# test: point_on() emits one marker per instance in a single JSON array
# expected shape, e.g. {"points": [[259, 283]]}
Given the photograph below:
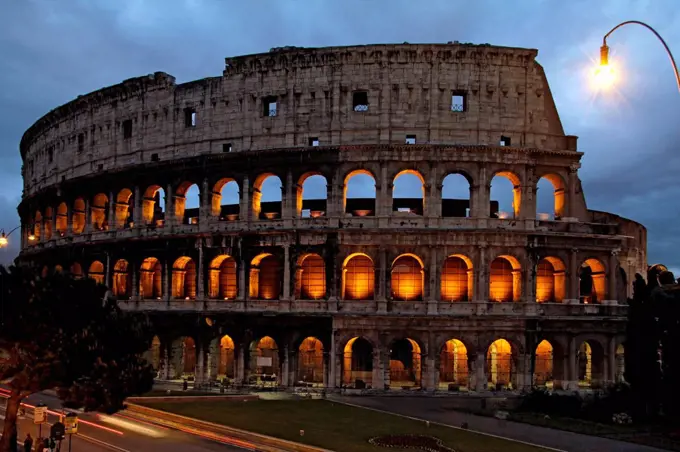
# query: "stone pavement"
{"points": [[436, 410]]}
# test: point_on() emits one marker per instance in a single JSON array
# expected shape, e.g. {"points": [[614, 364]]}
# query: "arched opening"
{"points": [[153, 206], [505, 279], [61, 223], [310, 278], [76, 270], [453, 365], [457, 279], [592, 282], [124, 209], [357, 363], [405, 364], [264, 361], [265, 277], [499, 365], [78, 216], [122, 279], [543, 364], [187, 203], [226, 366], [590, 359], [189, 355], [47, 225], [225, 202], [550, 280], [150, 281], [37, 226], [99, 212], [408, 194], [156, 353], [550, 197], [310, 362], [267, 197], [456, 201], [408, 278], [620, 364], [223, 278], [358, 197], [96, 272], [358, 279], [184, 278], [312, 196], [58, 269], [505, 195]]}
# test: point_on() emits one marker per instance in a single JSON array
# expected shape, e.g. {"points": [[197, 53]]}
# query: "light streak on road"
{"points": [[132, 426]]}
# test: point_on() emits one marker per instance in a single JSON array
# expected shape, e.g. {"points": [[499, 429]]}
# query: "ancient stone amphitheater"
{"points": [[342, 287]]}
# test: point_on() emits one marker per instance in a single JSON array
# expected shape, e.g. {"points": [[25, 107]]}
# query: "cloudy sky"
{"points": [[53, 50]]}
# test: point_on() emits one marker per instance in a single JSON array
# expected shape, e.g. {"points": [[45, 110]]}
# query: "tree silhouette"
{"points": [[64, 333]]}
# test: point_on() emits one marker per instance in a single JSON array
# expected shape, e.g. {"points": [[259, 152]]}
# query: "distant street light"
{"points": [[605, 74], [4, 237]]}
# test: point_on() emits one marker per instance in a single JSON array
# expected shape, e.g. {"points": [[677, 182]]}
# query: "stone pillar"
{"points": [[213, 359], [433, 198], [111, 215], [165, 370], [108, 271], [242, 286], [240, 376], [288, 200], [434, 282], [286, 272], [612, 277], [137, 209], [480, 195], [245, 212], [381, 281], [529, 284], [69, 220], [611, 364], [205, 208], [384, 207], [88, 217], [166, 280], [572, 366], [335, 364], [170, 219], [199, 377], [477, 371], [481, 288], [573, 184], [134, 290], [326, 368], [200, 272], [285, 367], [573, 278], [524, 376]]}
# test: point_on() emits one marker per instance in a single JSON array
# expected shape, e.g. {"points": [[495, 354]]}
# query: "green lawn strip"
{"points": [[178, 393], [331, 425]]}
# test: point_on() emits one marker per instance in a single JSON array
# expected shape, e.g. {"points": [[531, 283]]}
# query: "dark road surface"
{"points": [[121, 432]]}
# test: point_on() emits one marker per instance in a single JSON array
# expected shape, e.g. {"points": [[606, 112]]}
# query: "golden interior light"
{"points": [[31, 237], [604, 73]]}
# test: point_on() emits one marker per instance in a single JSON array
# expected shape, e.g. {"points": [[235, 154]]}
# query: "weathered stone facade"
{"points": [[405, 276]]}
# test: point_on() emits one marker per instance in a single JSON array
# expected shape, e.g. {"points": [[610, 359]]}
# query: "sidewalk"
{"points": [[436, 410]]}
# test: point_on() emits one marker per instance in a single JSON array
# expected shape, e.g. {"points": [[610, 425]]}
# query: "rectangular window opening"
{"points": [[410, 139], [226, 147], [306, 213], [81, 142], [505, 141], [127, 129], [313, 141], [100, 167], [50, 154], [154, 157], [189, 117], [269, 105], [458, 102], [360, 101]]}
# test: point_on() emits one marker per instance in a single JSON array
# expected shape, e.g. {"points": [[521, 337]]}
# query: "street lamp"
{"points": [[605, 74], [4, 237]]}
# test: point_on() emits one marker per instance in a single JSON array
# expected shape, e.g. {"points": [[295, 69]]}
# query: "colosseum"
{"points": [[262, 280]]}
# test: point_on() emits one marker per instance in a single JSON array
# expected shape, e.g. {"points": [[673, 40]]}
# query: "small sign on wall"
{"points": [[264, 361]]}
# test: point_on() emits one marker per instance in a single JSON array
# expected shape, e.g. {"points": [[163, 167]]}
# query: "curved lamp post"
{"points": [[4, 237], [605, 73]]}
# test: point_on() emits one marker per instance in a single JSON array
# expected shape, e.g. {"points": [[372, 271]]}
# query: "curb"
{"points": [[263, 443]]}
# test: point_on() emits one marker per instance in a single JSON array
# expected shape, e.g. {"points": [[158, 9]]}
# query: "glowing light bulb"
{"points": [[605, 76]]}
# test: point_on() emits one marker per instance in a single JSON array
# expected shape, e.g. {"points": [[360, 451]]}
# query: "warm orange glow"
{"points": [[49, 213], [62, 218], [99, 212], [357, 361], [122, 279], [123, 208], [265, 277], [226, 364], [499, 362], [310, 360], [503, 279], [189, 355], [358, 277], [453, 366], [78, 216], [184, 278], [180, 199], [257, 192], [550, 280], [223, 278], [457, 279], [37, 227], [150, 281], [76, 270], [311, 278], [544, 363], [604, 76], [516, 191], [559, 193], [407, 278], [599, 280], [96, 272], [266, 348]]}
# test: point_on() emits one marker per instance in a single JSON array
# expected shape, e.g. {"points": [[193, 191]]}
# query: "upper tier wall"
{"points": [[408, 90]]}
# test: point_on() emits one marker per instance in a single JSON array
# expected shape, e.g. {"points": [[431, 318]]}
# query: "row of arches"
{"points": [[115, 210], [359, 278]]}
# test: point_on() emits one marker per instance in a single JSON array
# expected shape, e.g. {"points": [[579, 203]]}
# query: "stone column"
{"points": [[199, 377], [530, 279], [205, 209], [335, 365], [286, 272], [573, 184], [137, 208], [242, 286], [326, 368], [477, 371], [245, 212], [524, 376], [384, 207], [480, 195], [611, 364], [88, 217], [433, 198], [200, 270], [481, 288], [573, 278], [166, 281], [170, 219], [285, 367], [434, 282], [288, 199], [381, 282], [612, 277], [572, 366], [69, 220], [108, 271], [134, 290], [240, 376], [111, 215]]}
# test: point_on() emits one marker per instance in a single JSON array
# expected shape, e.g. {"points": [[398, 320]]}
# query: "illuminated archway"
{"points": [[358, 277], [310, 277], [457, 279], [37, 225], [505, 279], [124, 208], [405, 363], [264, 360], [223, 278], [78, 216], [406, 184], [153, 206], [96, 272], [593, 281], [49, 217], [187, 203], [408, 278], [620, 364], [184, 278], [550, 280], [590, 359], [357, 368], [499, 364], [155, 353], [359, 193], [225, 200], [550, 197], [62, 219], [453, 364], [99, 212], [150, 280], [227, 361], [76, 270], [122, 279], [312, 195], [456, 200], [267, 197], [508, 203], [310, 361], [543, 364], [265, 277], [189, 355]]}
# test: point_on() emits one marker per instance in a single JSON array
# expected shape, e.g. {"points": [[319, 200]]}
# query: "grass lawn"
{"points": [[179, 393], [331, 425]]}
